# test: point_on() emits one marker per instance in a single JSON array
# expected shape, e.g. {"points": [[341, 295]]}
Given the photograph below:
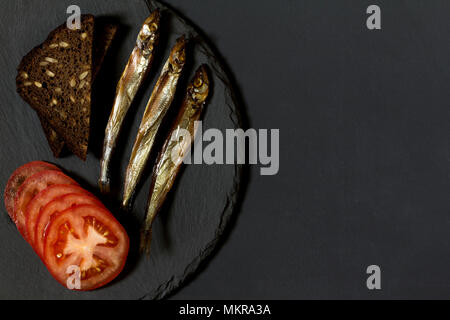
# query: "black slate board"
{"points": [[202, 200]]}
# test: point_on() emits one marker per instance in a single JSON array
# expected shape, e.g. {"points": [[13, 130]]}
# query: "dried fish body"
{"points": [[175, 149], [158, 104], [134, 74]]}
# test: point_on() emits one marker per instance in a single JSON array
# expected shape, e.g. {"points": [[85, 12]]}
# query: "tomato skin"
{"points": [[66, 225], [18, 177], [57, 205], [75, 216], [40, 200], [32, 186]]}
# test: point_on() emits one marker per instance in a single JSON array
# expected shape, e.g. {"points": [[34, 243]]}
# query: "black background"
{"points": [[364, 149], [199, 205]]}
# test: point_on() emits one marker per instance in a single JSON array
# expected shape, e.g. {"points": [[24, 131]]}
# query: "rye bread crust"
{"points": [[55, 79], [104, 34]]}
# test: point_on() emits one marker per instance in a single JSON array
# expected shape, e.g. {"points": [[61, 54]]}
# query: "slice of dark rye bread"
{"points": [[55, 78], [104, 34]]}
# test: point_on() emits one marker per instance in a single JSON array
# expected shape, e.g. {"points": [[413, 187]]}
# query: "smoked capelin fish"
{"points": [[134, 74], [175, 149], [158, 104]]}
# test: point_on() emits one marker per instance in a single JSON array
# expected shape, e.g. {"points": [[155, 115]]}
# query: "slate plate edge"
{"points": [[176, 280]]}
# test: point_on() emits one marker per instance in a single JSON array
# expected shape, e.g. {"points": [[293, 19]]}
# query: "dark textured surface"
{"points": [[364, 148], [364, 122], [197, 209]]}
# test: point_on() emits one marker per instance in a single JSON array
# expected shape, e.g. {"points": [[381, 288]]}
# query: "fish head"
{"points": [[199, 87], [149, 34], [178, 55]]}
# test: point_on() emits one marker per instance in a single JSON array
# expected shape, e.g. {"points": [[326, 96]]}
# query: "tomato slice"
{"points": [[58, 204], [87, 240], [18, 177], [30, 188], [40, 200]]}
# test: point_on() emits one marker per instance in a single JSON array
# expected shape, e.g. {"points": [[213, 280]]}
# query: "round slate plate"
{"points": [[198, 207]]}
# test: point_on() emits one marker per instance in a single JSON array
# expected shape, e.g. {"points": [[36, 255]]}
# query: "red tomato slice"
{"points": [[58, 204], [86, 243], [18, 177], [40, 200], [31, 187]]}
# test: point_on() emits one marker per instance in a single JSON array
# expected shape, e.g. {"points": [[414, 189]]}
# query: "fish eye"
{"points": [[198, 82]]}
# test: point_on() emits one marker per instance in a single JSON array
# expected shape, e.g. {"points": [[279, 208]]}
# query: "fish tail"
{"points": [[127, 192], [146, 239], [146, 234], [126, 202], [104, 179], [104, 186]]}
